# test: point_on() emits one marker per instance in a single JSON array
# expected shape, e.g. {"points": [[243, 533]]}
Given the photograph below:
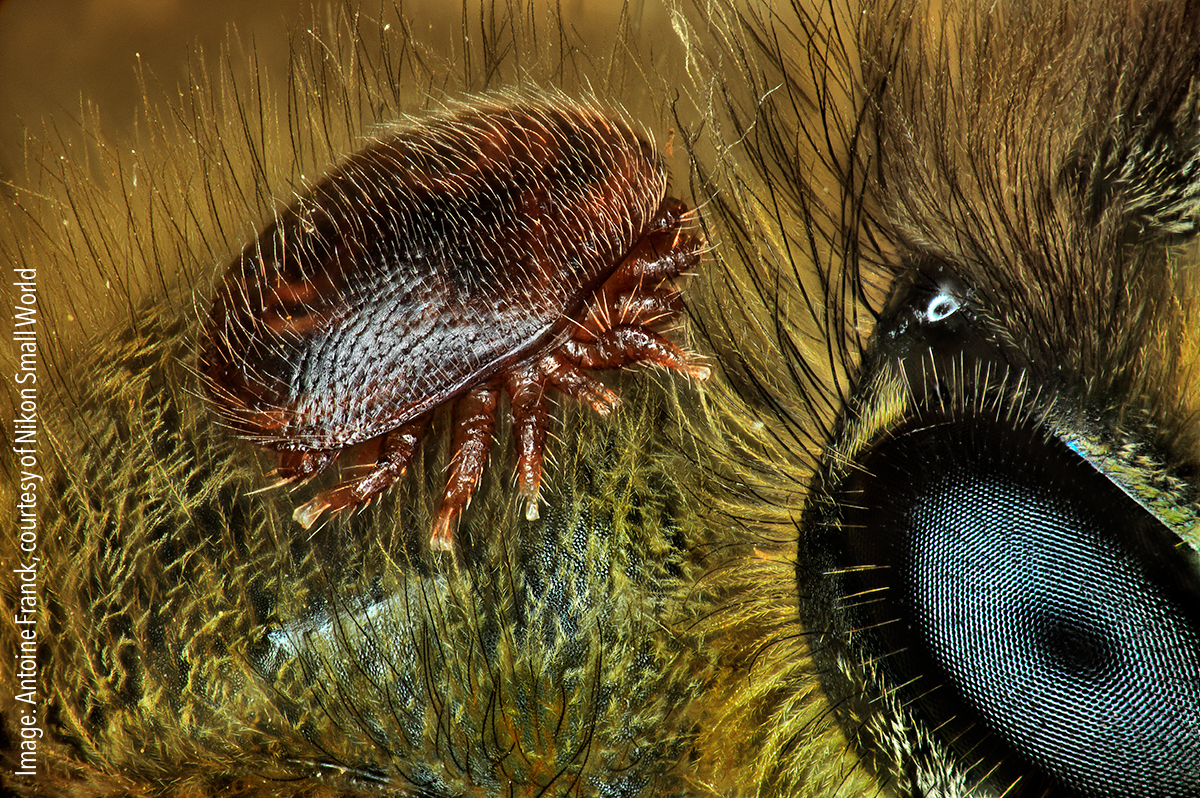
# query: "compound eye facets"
{"points": [[1026, 607], [996, 591]]}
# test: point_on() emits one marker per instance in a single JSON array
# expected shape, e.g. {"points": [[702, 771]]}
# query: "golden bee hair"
{"points": [[970, 220]]}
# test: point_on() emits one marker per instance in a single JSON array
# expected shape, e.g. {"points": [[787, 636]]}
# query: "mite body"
{"points": [[505, 247]]}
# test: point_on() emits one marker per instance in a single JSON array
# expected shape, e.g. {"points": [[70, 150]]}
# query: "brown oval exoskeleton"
{"points": [[505, 247]]}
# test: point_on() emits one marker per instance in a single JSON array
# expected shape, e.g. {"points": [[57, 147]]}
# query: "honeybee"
{"points": [[929, 528]]}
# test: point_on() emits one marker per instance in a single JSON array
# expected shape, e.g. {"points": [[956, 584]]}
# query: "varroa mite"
{"points": [[504, 247]]}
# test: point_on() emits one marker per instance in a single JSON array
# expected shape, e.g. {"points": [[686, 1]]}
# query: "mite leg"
{"points": [[302, 466], [526, 389], [665, 252], [634, 308], [623, 345], [573, 381], [474, 425], [396, 453], [639, 291], [616, 305]]}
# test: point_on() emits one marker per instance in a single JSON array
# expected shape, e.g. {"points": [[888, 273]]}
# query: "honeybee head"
{"points": [[972, 233]]}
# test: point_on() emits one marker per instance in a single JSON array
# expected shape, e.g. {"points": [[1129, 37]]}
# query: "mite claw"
{"points": [[442, 537], [307, 514]]}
